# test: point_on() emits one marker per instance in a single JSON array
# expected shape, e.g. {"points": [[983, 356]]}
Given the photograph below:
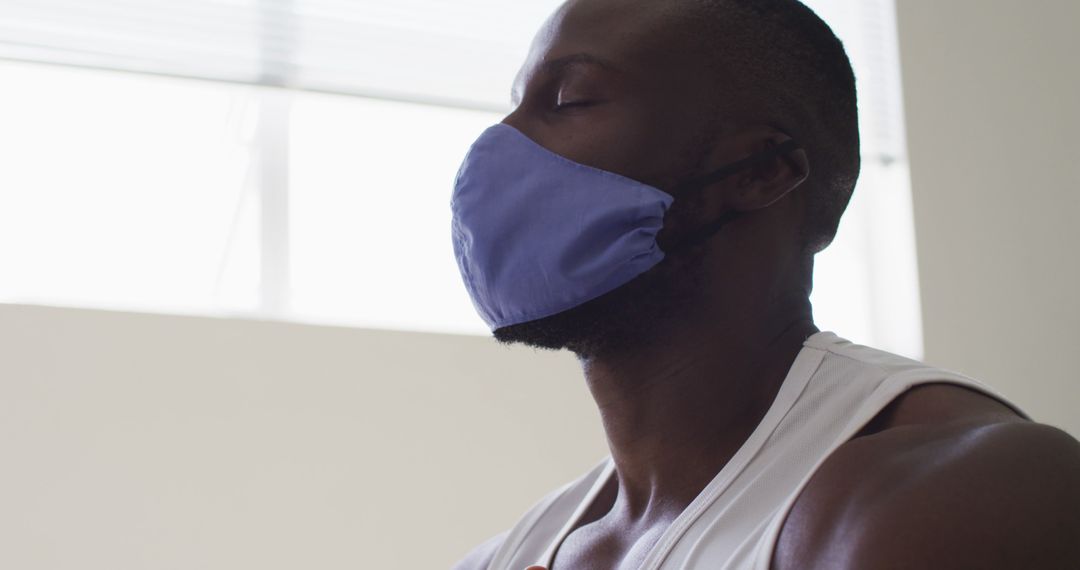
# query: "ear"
{"points": [[762, 183], [758, 185]]}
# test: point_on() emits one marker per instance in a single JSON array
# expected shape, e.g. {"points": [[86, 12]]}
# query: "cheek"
{"points": [[669, 146], [633, 138], [610, 137]]}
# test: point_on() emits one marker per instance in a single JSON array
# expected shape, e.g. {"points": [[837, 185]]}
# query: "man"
{"points": [[653, 204]]}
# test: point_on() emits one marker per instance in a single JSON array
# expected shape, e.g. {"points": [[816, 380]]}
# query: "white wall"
{"points": [[133, 441], [992, 90]]}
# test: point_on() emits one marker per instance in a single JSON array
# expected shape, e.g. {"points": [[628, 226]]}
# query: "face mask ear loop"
{"points": [[739, 165], [704, 233]]}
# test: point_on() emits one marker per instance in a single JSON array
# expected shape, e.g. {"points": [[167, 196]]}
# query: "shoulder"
{"points": [[480, 557], [971, 491]]}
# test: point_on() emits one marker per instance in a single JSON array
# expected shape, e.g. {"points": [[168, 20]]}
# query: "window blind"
{"points": [[458, 53], [463, 53]]}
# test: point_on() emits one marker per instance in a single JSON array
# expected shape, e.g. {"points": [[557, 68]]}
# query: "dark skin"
{"points": [[943, 478]]}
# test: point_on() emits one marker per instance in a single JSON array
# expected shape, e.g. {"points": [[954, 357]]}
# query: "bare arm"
{"points": [[999, 496], [1010, 500]]}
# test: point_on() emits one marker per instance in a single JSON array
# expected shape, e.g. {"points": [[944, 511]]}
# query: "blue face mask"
{"points": [[536, 234]]}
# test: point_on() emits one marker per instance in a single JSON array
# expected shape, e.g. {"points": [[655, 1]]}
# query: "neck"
{"points": [[677, 410]]}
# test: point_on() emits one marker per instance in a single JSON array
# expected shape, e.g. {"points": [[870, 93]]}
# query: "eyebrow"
{"points": [[556, 65]]}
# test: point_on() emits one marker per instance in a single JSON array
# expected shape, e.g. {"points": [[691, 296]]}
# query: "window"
{"points": [[118, 190], [292, 159], [370, 220]]}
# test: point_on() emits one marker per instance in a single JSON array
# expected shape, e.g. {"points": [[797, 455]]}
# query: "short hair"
{"points": [[791, 66]]}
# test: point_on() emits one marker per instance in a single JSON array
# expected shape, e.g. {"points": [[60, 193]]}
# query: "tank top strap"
{"points": [[545, 518]]}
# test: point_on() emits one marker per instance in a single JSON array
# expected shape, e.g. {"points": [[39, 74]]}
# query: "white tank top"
{"points": [[832, 390]]}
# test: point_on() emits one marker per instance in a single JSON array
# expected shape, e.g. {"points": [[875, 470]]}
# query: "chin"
{"points": [[625, 319], [569, 330]]}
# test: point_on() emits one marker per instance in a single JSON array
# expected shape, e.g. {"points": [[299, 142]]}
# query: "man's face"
{"points": [[608, 84]]}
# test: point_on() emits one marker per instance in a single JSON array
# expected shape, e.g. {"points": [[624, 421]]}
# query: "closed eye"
{"points": [[563, 105]]}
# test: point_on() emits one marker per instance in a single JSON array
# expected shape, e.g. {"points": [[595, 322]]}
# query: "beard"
{"points": [[625, 319]]}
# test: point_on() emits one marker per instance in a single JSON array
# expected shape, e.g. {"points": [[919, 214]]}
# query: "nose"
{"points": [[516, 120]]}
